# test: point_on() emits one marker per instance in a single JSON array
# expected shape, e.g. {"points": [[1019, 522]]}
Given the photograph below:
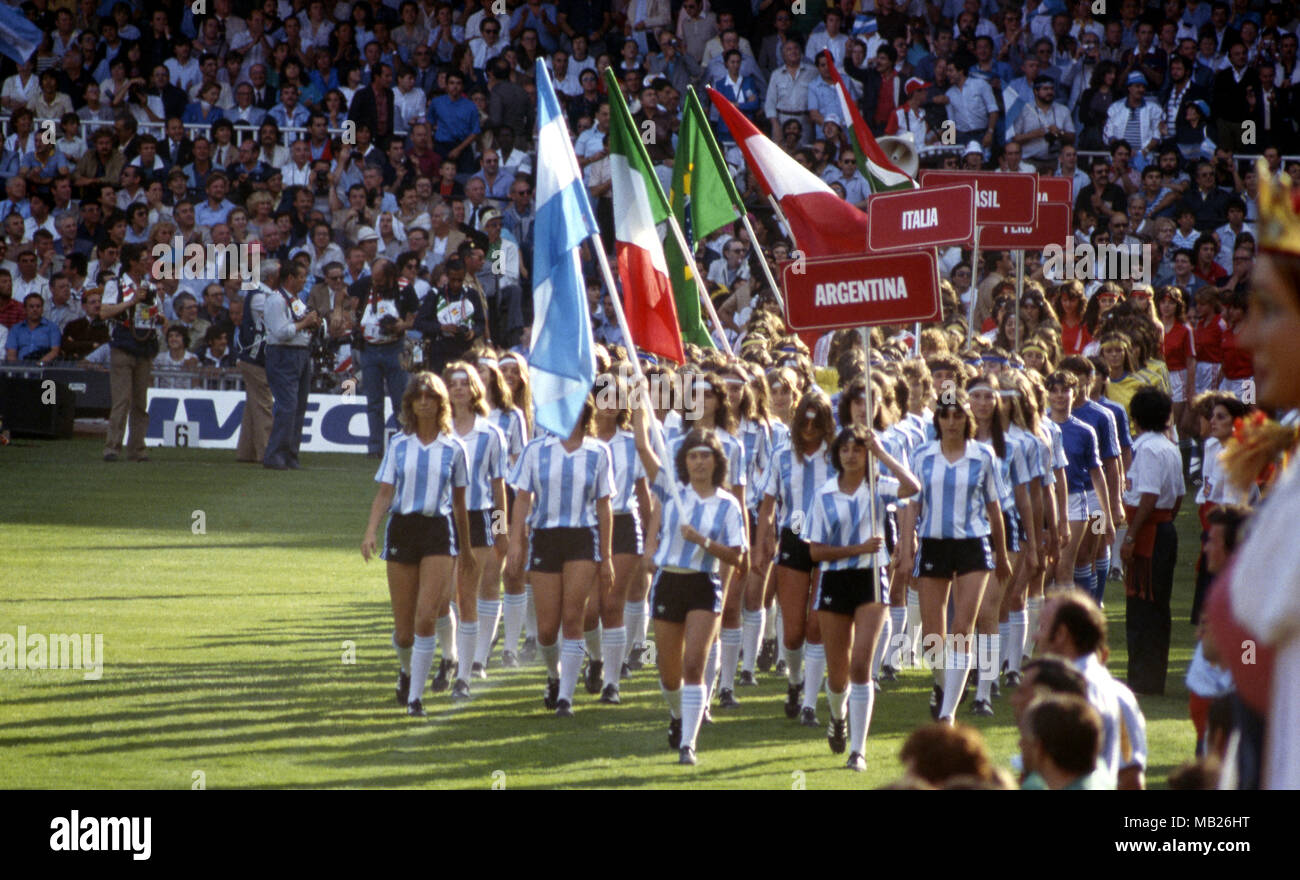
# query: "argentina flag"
{"points": [[19, 37], [562, 359]]}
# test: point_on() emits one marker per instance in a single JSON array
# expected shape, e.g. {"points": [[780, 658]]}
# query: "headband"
{"points": [[460, 374], [699, 447], [511, 356], [487, 360], [1033, 346]]}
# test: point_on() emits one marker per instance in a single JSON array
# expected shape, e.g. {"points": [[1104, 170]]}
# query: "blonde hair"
{"points": [[425, 382], [477, 394]]}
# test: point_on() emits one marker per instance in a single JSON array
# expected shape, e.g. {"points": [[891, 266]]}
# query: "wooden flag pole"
{"points": [[974, 280], [762, 261], [688, 254], [1020, 290]]}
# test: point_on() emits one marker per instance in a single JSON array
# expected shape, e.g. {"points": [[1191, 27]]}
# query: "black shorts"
{"points": [[627, 537], [946, 557], [480, 528], [412, 536], [845, 590], [549, 549], [674, 595], [1014, 531], [794, 553]]}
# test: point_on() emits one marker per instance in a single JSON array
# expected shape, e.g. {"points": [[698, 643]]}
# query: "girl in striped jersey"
{"points": [[961, 535], [604, 629], [758, 618], [847, 541], [517, 611], [563, 488], [796, 472], [703, 525], [502, 411], [485, 498], [1019, 520], [422, 481], [904, 601], [1051, 432]]}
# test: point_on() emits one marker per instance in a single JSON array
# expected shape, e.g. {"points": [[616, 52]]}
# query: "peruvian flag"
{"points": [[822, 223]]}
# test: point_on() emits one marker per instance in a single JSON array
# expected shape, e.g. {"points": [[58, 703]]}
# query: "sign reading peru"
{"points": [[1051, 227], [832, 292], [917, 218], [1003, 199]]}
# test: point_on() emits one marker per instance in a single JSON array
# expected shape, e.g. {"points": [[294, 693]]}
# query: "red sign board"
{"points": [[1052, 227], [919, 218], [1056, 189], [825, 293], [999, 198]]}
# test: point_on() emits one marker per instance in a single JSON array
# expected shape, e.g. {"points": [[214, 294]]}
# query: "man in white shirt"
{"points": [[298, 171], [831, 39], [787, 92], [731, 266], [183, 69]]}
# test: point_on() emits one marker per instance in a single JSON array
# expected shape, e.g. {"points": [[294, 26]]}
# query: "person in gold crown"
{"points": [[1260, 594]]}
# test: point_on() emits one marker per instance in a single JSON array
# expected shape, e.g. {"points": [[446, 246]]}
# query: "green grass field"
{"points": [[224, 653]]}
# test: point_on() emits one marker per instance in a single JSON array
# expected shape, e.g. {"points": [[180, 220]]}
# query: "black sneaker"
{"points": [[746, 679], [563, 709], [727, 699], [552, 693], [856, 763], [837, 735], [610, 695], [674, 733], [766, 654], [780, 668], [595, 674], [528, 653], [686, 755], [634, 662], [888, 673], [443, 679], [478, 671], [936, 701], [460, 690], [1013, 679], [110, 456], [509, 660], [403, 687], [996, 691], [624, 671], [983, 708], [808, 717], [793, 699], [415, 709]]}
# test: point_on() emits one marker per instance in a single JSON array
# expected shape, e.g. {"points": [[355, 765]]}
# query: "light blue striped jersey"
{"points": [[422, 476], [793, 480], [839, 520], [1030, 451], [627, 470], [756, 441], [672, 425], [514, 427], [719, 518], [565, 485], [730, 446], [486, 447], [913, 429], [954, 496]]}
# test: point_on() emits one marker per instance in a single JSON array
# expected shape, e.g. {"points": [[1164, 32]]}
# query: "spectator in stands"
{"points": [[35, 339], [62, 310], [85, 334], [215, 352]]}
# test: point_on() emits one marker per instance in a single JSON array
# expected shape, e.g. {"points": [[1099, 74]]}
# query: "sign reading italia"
{"points": [[1001, 199], [917, 218], [1055, 189], [1051, 227], [833, 292]]}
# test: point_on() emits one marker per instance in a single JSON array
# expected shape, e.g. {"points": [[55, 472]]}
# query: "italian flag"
{"points": [[882, 174], [639, 207]]}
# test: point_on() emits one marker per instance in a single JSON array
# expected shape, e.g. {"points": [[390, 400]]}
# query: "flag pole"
{"points": [[688, 254], [762, 260], [871, 426], [1020, 290], [974, 279]]}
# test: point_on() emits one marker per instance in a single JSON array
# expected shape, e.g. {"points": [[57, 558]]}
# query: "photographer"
{"points": [[451, 318], [255, 428], [131, 299], [389, 311], [289, 326], [1041, 130]]}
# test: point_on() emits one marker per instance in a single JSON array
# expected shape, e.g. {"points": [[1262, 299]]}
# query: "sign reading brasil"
{"points": [[1004, 199]]}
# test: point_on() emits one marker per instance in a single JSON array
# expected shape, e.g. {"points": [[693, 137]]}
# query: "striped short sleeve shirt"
{"points": [[954, 495], [841, 519], [627, 470], [565, 485], [423, 476], [486, 447], [793, 480], [719, 518], [512, 425], [756, 441]]}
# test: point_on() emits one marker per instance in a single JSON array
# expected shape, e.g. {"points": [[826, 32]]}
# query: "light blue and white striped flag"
{"points": [[19, 37], [563, 359]]}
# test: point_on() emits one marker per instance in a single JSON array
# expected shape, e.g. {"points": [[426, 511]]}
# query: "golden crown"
{"points": [[1279, 212]]}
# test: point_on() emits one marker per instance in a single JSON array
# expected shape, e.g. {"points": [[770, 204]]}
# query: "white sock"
{"points": [[489, 614], [751, 628], [730, 654], [674, 700], [1004, 632], [814, 671], [954, 681], [898, 627], [837, 701], [1014, 646], [861, 698], [421, 659], [466, 644], [643, 624], [793, 663], [570, 664], [912, 647], [882, 647], [403, 655], [446, 632], [985, 672], [693, 697], [530, 613], [592, 638], [512, 612], [613, 647], [633, 623], [711, 668], [995, 656], [773, 622], [1035, 607], [550, 658]]}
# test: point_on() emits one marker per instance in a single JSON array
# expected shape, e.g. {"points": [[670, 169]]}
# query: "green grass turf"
{"points": [[224, 653]]}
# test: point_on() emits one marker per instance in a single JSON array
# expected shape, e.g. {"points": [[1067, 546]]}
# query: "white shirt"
{"points": [[1103, 697], [1157, 469]]}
